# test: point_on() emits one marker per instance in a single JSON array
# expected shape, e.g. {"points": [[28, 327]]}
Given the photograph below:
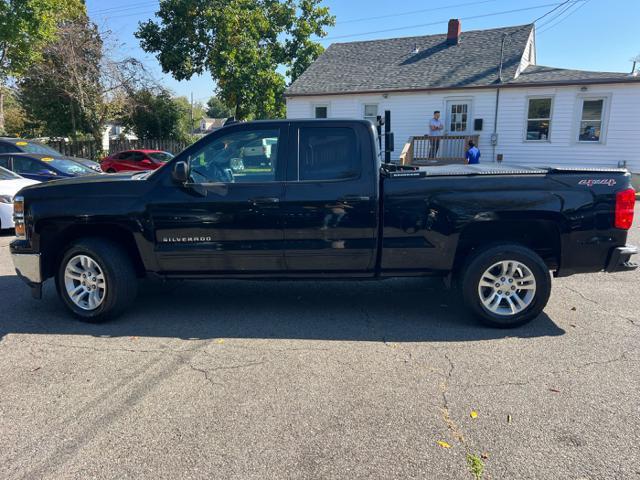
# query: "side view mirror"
{"points": [[181, 172]]}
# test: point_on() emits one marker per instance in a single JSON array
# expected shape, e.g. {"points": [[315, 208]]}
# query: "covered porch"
{"points": [[422, 150]]}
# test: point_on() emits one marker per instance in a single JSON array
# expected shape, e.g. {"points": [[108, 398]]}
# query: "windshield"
{"points": [[68, 166], [160, 156], [8, 175], [38, 148]]}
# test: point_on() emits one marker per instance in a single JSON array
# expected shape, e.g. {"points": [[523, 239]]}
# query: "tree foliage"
{"points": [[242, 43], [26, 26], [154, 113], [216, 108], [69, 91], [16, 121], [62, 92]]}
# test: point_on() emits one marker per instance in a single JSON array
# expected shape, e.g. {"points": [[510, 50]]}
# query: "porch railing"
{"points": [[451, 149]]}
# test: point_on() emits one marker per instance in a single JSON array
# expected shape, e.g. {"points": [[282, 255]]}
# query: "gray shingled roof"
{"points": [[392, 64], [541, 74], [388, 65]]}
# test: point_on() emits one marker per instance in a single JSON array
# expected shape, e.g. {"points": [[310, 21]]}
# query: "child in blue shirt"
{"points": [[473, 154]]}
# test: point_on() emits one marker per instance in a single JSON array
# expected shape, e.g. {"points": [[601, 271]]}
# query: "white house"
{"points": [[485, 83], [210, 124], [114, 131]]}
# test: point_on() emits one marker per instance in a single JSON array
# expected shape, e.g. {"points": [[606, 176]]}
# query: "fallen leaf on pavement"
{"points": [[473, 414], [443, 444], [573, 309], [220, 341], [554, 390], [508, 418]]}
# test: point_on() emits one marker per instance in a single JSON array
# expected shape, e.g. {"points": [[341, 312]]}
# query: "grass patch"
{"points": [[476, 466]]}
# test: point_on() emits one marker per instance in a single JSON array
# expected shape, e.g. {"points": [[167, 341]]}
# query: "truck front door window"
{"points": [[239, 157]]}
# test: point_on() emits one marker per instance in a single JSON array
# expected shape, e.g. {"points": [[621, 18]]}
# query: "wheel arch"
{"points": [[541, 235], [56, 243]]}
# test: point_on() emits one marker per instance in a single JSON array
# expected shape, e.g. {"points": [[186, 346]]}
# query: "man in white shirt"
{"points": [[436, 128]]}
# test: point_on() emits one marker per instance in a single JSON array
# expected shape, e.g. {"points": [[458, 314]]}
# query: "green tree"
{"points": [[63, 91], [26, 26], [188, 123], [16, 121], [216, 108], [242, 43], [156, 114]]}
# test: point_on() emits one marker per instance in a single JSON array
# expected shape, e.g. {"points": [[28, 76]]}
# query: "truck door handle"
{"points": [[354, 198], [264, 200]]}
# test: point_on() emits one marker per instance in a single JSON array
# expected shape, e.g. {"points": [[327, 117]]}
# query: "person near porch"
{"points": [[473, 154], [436, 128]]}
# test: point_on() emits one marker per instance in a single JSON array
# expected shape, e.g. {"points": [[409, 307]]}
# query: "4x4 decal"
{"points": [[598, 181]]}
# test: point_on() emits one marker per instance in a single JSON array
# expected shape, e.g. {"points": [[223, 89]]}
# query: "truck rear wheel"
{"points": [[96, 280], [506, 285]]}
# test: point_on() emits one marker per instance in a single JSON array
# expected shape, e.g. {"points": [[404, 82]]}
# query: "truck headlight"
{"points": [[6, 199], [18, 216]]}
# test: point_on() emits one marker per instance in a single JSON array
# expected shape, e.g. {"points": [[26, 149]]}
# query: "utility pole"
{"points": [[191, 115]]}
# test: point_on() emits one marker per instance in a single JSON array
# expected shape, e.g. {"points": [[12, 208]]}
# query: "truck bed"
{"points": [[397, 171]]}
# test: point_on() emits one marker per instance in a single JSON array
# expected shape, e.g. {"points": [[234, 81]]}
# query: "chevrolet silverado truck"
{"points": [[324, 207]]}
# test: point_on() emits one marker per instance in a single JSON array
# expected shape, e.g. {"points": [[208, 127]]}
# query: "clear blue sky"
{"points": [[591, 35]]}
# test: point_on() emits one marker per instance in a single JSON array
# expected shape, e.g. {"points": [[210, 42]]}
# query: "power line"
{"points": [[413, 12], [122, 8], [562, 19], [552, 10], [129, 14], [504, 12], [558, 14]]}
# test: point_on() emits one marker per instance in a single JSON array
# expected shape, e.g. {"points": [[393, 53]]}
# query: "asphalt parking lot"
{"points": [[249, 380]]}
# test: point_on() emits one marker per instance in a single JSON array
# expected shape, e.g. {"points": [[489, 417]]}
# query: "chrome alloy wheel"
{"points": [[85, 283], [507, 288]]}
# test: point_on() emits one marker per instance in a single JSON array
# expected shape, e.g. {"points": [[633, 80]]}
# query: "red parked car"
{"points": [[135, 160]]}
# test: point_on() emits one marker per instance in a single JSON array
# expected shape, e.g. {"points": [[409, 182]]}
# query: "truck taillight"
{"points": [[625, 202]]}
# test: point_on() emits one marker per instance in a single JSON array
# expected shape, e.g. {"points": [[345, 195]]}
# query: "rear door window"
{"points": [[327, 153]]}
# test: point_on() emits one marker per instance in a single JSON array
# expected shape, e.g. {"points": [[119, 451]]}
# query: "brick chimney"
{"points": [[453, 33]]}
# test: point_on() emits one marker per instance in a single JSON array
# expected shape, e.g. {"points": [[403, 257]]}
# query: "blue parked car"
{"points": [[19, 145], [43, 167]]}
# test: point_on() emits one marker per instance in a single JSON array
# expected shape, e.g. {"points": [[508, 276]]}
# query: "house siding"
{"points": [[621, 144], [410, 113]]}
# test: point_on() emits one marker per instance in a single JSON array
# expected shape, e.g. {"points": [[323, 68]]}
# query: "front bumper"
{"points": [[620, 259], [29, 270]]}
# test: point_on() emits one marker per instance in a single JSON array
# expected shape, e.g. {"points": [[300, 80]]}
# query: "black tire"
{"points": [[481, 261], [119, 274]]}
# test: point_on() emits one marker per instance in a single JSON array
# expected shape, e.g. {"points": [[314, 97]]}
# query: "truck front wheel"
{"points": [[96, 279], [506, 285]]}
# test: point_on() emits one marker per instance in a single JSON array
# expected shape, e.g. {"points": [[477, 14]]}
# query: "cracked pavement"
{"points": [[331, 380]]}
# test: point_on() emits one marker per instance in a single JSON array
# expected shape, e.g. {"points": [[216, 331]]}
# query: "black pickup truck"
{"points": [[322, 205]]}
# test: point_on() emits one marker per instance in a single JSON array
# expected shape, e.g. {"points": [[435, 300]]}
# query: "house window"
{"points": [[458, 117], [371, 112], [539, 119], [321, 111], [591, 120]]}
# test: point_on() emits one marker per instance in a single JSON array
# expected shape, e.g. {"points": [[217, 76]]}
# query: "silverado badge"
{"points": [[186, 239]]}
